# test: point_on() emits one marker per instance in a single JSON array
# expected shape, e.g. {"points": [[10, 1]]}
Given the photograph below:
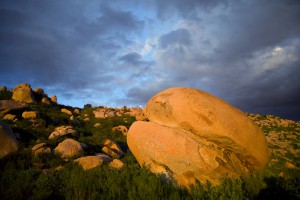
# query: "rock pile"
{"points": [[62, 131], [193, 135]]}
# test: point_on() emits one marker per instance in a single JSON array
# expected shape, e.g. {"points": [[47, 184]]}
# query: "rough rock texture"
{"points": [[76, 111], [7, 106], [23, 93], [64, 110], [112, 149], [41, 148], [196, 136], [69, 147], [105, 158], [117, 164], [89, 162], [8, 142], [137, 113], [30, 115], [39, 91], [63, 130], [123, 129], [46, 100], [104, 113], [97, 125], [3, 89], [53, 99], [9, 117]]}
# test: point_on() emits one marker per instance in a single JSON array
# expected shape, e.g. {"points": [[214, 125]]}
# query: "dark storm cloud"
{"points": [[231, 35], [246, 52], [57, 43], [132, 58], [186, 8], [180, 37]]}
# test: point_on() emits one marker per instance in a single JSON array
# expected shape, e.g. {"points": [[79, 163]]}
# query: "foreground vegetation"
{"points": [[25, 176]]}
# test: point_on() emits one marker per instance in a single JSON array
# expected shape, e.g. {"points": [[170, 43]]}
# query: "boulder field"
{"points": [[195, 136]]}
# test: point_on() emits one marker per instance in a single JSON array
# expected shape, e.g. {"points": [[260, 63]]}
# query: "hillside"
{"points": [[39, 170]]}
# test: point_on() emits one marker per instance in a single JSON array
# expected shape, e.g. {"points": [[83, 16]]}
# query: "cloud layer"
{"points": [[123, 52]]}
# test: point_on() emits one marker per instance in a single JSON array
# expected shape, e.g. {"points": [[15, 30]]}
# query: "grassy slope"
{"points": [[23, 176]]}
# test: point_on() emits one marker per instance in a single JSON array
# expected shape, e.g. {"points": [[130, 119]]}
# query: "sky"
{"points": [[122, 52]]}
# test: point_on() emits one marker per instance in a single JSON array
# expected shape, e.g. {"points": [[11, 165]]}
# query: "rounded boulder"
{"points": [[197, 136]]}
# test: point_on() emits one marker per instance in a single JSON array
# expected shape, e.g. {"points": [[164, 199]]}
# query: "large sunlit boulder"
{"points": [[193, 135]]}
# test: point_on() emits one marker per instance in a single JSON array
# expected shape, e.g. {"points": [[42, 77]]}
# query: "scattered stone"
{"points": [[62, 131], [3, 89], [121, 128], [137, 113], [89, 162], [72, 118], [30, 115], [23, 93], [69, 148], [7, 106], [8, 141], [9, 117], [290, 165], [64, 110], [46, 100], [53, 99], [86, 119], [59, 168], [105, 158], [112, 148], [117, 164], [39, 91], [41, 148], [84, 146], [97, 125], [76, 111], [110, 152], [104, 113], [196, 136]]}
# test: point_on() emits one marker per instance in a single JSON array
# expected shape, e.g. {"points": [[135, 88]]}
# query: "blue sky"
{"points": [[117, 53]]}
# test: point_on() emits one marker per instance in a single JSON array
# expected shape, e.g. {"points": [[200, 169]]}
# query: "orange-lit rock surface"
{"points": [[194, 135]]}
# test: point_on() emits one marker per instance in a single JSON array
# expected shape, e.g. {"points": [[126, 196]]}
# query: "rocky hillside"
{"points": [[53, 151]]}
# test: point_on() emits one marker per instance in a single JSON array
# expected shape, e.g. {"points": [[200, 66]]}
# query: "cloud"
{"points": [[122, 53], [179, 37]]}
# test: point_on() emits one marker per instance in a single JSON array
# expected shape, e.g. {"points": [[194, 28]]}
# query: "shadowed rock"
{"points": [[8, 142]]}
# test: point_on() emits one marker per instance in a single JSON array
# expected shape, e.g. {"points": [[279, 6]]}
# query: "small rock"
{"points": [[112, 145], [41, 149], [97, 125], [9, 117], [30, 115], [64, 110], [105, 158], [46, 100], [63, 130], [121, 128], [53, 99], [76, 111], [110, 152], [69, 147], [89, 162], [117, 164], [3, 89]]}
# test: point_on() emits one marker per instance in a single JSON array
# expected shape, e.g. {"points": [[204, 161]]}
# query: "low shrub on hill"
{"points": [[25, 176]]}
